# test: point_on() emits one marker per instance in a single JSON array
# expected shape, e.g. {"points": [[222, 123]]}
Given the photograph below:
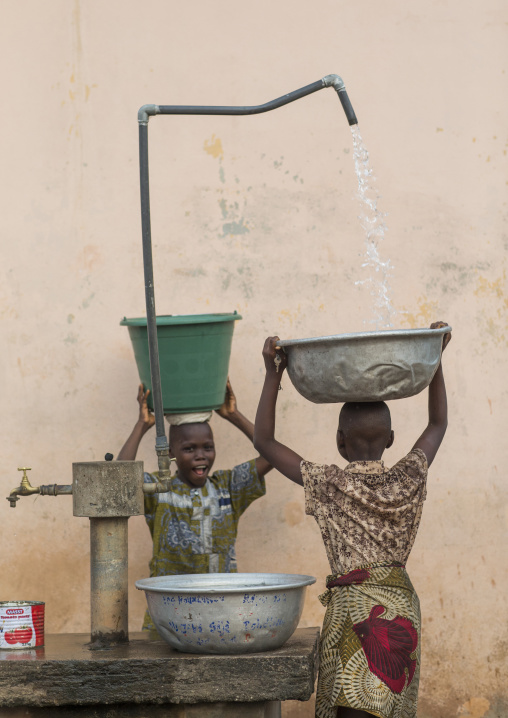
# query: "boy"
{"points": [[194, 525], [368, 516]]}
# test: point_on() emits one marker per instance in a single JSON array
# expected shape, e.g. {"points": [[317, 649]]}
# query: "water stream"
{"points": [[372, 221]]}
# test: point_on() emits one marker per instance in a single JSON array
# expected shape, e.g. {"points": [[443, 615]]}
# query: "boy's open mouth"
{"points": [[200, 470]]}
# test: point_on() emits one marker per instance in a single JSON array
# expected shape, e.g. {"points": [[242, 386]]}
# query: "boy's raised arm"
{"points": [[281, 457], [230, 412], [430, 441], [145, 421]]}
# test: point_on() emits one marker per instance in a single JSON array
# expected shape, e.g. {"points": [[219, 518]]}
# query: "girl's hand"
{"points": [[447, 337], [229, 406], [145, 415], [275, 358]]}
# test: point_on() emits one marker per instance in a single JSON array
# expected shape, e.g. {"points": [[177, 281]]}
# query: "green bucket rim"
{"points": [[179, 319]]}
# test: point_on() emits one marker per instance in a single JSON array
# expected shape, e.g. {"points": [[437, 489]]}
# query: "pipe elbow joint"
{"points": [[334, 81], [156, 487], [147, 111], [338, 85]]}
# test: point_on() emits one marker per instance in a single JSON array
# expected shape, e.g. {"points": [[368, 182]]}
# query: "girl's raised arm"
{"points": [[430, 441], [280, 456]]}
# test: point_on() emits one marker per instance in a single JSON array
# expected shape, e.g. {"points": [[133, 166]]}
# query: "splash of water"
{"points": [[372, 221]]}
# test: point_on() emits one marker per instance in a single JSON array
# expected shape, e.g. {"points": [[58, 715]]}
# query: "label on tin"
{"points": [[21, 624]]}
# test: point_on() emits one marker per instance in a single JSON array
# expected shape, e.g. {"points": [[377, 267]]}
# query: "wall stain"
{"points": [[235, 223], [485, 287], [86, 302], [214, 147], [287, 316], [223, 208], [8, 313], [226, 277], [234, 228], [90, 257], [88, 89], [293, 513], [423, 316], [452, 278], [21, 368], [197, 272], [246, 285], [474, 708]]}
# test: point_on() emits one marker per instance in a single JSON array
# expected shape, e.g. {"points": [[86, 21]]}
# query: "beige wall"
{"points": [[258, 214]]}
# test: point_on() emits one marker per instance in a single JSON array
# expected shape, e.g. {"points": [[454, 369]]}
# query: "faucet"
{"points": [[26, 489]]}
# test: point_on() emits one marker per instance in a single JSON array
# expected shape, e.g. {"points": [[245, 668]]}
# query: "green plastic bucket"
{"points": [[194, 352]]}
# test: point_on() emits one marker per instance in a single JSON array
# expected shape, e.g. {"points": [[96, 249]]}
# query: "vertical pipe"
{"points": [[161, 442], [347, 107], [109, 580]]}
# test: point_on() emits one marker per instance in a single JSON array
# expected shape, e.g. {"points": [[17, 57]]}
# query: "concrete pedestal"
{"points": [[147, 679]]}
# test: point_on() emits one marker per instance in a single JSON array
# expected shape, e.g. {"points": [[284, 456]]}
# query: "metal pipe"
{"points": [[109, 580], [56, 490], [240, 110], [338, 84], [144, 114], [161, 442], [156, 487]]}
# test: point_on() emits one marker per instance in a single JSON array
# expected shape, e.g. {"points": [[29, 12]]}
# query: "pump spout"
{"points": [[338, 84], [24, 489]]}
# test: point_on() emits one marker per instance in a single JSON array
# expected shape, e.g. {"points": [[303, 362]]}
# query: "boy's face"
{"points": [[194, 450]]}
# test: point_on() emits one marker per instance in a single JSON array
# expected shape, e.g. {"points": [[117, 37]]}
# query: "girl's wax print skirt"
{"points": [[370, 645]]}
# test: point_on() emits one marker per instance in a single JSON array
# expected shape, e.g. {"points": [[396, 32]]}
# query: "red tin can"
{"points": [[21, 624]]}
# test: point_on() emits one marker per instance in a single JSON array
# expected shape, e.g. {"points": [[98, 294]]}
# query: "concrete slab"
{"points": [[149, 710], [67, 672]]}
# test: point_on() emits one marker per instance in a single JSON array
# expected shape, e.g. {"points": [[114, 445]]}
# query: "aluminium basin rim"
{"points": [[358, 336], [301, 581]]}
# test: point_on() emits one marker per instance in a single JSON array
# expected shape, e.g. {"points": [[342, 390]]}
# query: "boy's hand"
{"points": [[229, 406], [447, 337], [275, 358], [145, 415]]}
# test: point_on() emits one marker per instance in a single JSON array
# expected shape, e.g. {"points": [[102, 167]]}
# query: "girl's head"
{"points": [[365, 430]]}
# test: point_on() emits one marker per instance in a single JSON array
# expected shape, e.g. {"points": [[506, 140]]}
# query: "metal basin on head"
{"points": [[366, 366], [226, 612]]}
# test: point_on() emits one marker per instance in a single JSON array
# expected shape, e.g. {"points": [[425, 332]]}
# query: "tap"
{"points": [[26, 489]]}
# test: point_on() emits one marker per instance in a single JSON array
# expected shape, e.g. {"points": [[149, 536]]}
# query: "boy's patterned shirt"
{"points": [[194, 529], [366, 512]]}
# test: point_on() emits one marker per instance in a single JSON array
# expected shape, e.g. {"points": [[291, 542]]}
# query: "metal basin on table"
{"points": [[367, 366], [226, 612]]}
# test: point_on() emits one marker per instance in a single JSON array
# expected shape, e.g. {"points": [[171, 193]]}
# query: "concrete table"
{"points": [[147, 679]]}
